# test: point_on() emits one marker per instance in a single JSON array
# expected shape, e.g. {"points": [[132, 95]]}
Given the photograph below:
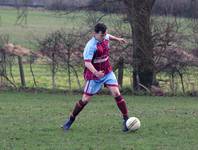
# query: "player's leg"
{"points": [[112, 84], [76, 110], [80, 105], [91, 88], [121, 103]]}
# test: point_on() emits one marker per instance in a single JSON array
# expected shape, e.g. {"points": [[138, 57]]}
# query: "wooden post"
{"points": [[22, 76], [120, 71]]}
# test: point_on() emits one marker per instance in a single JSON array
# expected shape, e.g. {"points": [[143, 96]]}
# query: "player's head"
{"points": [[100, 31]]}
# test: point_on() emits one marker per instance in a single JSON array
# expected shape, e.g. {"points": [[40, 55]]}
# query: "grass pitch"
{"points": [[31, 121]]}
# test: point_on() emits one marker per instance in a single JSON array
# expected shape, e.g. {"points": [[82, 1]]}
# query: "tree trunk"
{"points": [[68, 67], [69, 75], [139, 13]]}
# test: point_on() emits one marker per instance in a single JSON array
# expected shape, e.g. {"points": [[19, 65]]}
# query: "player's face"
{"points": [[100, 36]]}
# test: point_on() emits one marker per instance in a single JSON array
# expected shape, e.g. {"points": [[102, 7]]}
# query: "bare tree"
{"points": [[22, 11], [4, 61], [62, 49]]}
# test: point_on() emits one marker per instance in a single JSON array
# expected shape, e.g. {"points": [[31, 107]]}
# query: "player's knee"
{"points": [[86, 98], [116, 93]]}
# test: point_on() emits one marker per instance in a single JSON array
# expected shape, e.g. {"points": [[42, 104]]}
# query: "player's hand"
{"points": [[122, 40], [99, 74]]}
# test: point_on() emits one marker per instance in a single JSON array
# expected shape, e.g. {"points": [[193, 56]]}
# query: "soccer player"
{"points": [[98, 72]]}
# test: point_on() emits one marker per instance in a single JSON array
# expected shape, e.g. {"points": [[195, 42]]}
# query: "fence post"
{"points": [[22, 76], [120, 71]]}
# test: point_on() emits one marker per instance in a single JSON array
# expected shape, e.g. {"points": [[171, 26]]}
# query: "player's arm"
{"points": [[114, 38], [89, 66]]}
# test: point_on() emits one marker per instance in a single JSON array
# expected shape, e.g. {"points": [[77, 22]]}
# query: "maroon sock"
{"points": [[122, 106], [77, 109]]}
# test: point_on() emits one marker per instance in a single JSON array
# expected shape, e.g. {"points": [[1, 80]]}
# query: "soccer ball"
{"points": [[133, 124]]}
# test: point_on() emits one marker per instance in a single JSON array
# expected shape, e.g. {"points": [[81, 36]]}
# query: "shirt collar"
{"points": [[97, 40]]}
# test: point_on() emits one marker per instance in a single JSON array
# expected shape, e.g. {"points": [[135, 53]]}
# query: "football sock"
{"points": [[121, 103], [77, 109]]}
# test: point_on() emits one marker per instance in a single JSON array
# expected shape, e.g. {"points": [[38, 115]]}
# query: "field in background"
{"points": [[32, 121], [42, 22]]}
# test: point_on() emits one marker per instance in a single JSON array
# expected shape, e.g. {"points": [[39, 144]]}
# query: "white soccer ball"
{"points": [[133, 124]]}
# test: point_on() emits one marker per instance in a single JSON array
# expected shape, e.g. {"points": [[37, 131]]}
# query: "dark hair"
{"points": [[100, 27]]}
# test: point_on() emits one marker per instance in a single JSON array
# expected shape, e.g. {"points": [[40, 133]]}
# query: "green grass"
{"points": [[39, 24], [31, 121]]}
